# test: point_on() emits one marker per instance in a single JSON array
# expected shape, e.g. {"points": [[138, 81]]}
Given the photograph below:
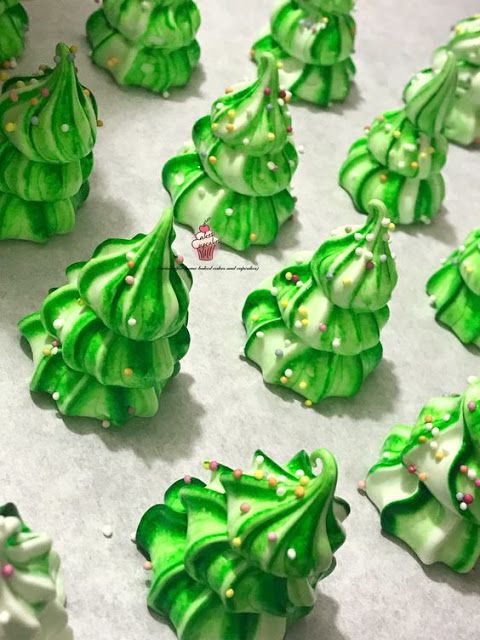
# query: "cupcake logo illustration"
{"points": [[205, 242]]}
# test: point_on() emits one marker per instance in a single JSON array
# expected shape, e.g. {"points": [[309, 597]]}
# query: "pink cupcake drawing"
{"points": [[205, 242]]}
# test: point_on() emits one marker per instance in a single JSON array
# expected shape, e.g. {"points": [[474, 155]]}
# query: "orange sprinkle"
{"points": [[299, 492], [128, 372]]}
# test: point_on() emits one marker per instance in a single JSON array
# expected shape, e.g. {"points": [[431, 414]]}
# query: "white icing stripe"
{"points": [[407, 201]]}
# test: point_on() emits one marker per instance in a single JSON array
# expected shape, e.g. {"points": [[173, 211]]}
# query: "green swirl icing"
{"points": [[454, 291], [106, 344], [400, 158], [240, 557], [32, 597], [313, 42], [239, 170], [315, 327], [463, 123], [425, 484], [13, 26], [48, 129], [148, 43]]}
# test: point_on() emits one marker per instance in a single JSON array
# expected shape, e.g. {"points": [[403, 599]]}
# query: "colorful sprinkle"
{"points": [[245, 507]]}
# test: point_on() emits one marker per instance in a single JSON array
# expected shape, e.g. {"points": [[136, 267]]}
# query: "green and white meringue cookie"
{"points": [[238, 171], [106, 344], [402, 154], [148, 43], [13, 26], [454, 291], [463, 123], [32, 598], [427, 482], [240, 557], [312, 41], [315, 326], [48, 127]]}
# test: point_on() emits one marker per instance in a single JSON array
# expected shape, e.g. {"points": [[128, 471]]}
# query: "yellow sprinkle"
{"points": [[468, 268], [431, 150], [86, 93], [10, 126], [392, 226], [303, 384], [111, 62], [422, 439], [206, 464], [279, 65], [229, 593], [128, 372], [258, 474], [230, 127], [255, 317], [212, 159], [229, 90], [299, 492], [288, 275], [380, 118], [308, 403], [397, 134], [3, 76], [73, 48], [305, 322], [383, 177], [423, 155], [271, 136], [428, 419], [284, 379], [304, 480], [46, 351], [253, 237], [440, 455], [303, 311], [236, 542], [284, 303], [346, 282], [414, 164], [214, 126], [231, 113], [20, 84]]}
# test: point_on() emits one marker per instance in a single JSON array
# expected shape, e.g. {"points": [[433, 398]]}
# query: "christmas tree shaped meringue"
{"points": [[454, 291], [427, 482], [312, 41], [236, 175], [315, 326], [148, 43], [400, 158], [463, 123], [240, 557], [48, 127], [105, 344], [32, 599], [13, 25]]}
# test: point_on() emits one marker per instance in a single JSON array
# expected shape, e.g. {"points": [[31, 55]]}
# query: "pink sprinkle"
{"points": [[272, 536], [213, 465], [283, 94], [187, 479], [45, 92], [267, 91], [290, 129], [147, 565], [129, 279], [237, 474], [7, 571], [322, 327], [295, 278], [13, 96], [179, 259], [369, 266], [412, 468], [55, 343], [472, 406], [245, 507], [468, 498], [477, 482], [362, 485], [463, 468]]}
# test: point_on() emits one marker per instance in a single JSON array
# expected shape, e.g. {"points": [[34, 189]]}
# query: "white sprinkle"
{"points": [[299, 283], [408, 146], [298, 324], [301, 148], [4, 617], [433, 445], [447, 417], [383, 257], [292, 554], [299, 473], [271, 165], [281, 102], [130, 255], [131, 322], [201, 192], [105, 424], [56, 395], [229, 212], [179, 178], [107, 531], [472, 474], [358, 251], [287, 342], [259, 459], [219, 105], [388, 127], [385, 222], [435, 431], [281, 491], [370, 237], [432, 300], [401, 164], [58, 323], [472, 379], [65, 128], [260, 334], [246, 141], [288, 373], [358, 236], [463, 506], [54, 351], [274, 291], [336, 343], [299, 259], [166, 95], [368, 255]]}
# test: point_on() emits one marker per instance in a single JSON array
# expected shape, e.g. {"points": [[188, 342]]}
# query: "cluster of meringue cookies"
{"points": [[106, 343]]}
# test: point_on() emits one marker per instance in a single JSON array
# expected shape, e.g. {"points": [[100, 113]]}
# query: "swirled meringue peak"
{"points": [[32, 598], [148, 43], [312, 41], [454, 291], [240, 556], [13, 26], [463, 123], [238, 171], [48, 126], [399, 159], [106, 344], [426, 484], [315, 326]]}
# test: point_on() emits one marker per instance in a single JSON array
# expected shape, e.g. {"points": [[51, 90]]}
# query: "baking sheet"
{"points": [[70, 477]]}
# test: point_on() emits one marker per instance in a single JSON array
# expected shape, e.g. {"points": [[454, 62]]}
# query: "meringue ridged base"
{"points": [[153, 68]]}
